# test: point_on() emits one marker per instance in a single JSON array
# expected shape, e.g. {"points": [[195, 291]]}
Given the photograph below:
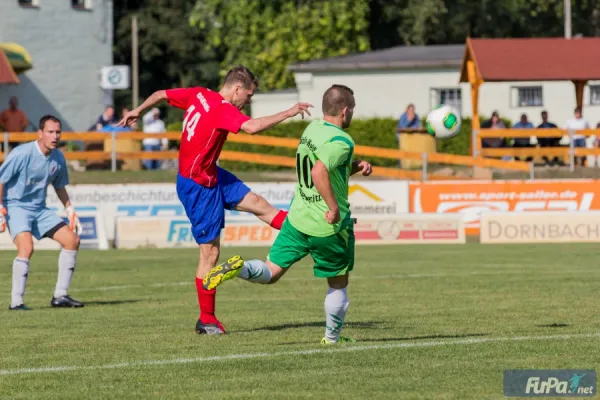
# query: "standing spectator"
{"points": [[153, 124], [493, 123], [523, 142], [575, 124], [13, 119], [107, 118], [549, 142]]}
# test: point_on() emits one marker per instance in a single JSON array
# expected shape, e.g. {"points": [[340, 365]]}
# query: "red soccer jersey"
{"points": [[207, 122]]}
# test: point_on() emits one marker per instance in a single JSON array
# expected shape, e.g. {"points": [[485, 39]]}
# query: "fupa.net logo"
{"points": [[554, 383], [556, 386]]}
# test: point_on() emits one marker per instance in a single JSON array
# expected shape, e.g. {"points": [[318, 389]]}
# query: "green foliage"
{"points": [[376, 132], [171, 53], [269, 35], [396, 22]]}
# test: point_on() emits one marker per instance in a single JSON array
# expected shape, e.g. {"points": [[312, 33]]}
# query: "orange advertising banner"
{"points": [[471, 199]]}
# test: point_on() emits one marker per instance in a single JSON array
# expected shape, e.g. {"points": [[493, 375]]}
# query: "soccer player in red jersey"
{"points": [[205, 189]]}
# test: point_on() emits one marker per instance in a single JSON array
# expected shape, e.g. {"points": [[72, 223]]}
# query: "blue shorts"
{"points": [[38, 222], [205, 207]]}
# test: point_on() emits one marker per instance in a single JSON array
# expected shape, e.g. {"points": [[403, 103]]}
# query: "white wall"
{"points": [[387, 93], [68, 47], [272, 103]]}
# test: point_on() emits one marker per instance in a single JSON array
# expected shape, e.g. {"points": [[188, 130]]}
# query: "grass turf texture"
{"points": [[141, 306]]}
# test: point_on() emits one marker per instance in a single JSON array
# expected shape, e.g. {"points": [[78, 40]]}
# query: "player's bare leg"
{"points": [[66, 267], [20, 270], [207, 322], [336, 305], [259, 206]]}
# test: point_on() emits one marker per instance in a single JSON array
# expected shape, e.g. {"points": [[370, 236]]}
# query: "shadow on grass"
{"points": [[353, 325], [403, 339], [554, 325], [109, 302]]}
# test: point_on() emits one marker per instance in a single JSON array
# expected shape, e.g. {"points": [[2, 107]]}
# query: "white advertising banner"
{"points": [[541, 227], [156, 200], [163, 232], [410, 229], [93, 235]]}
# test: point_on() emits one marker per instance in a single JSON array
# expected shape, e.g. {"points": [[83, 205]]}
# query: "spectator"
{"points": [[523, 142], [13, 119], [493, 123], [107, 118], [549, 142], [153, 124], [409, 119], [133, 126], [575, 124]]}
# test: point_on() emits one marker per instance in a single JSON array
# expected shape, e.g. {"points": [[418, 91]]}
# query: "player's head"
{"points": [[49, 132], [338, 103], [239, 86]]}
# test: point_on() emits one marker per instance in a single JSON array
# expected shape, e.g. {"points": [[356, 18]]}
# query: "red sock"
{"points": [[277, 221], [206, 301]]}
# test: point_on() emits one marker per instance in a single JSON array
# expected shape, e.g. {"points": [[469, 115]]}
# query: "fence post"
{"points": [[531, 171], [113, 156], [424, 166], [571, 151], [5, 144]]}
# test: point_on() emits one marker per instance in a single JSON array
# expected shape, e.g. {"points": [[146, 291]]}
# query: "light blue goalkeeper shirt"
{"points": [[26, 174]]}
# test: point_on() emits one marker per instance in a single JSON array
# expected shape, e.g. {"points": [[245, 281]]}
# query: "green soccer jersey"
{"points": [[333, 147]]}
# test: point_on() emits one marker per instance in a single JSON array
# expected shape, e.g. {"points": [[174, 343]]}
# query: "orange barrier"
{"points": [[535, 151], [269, 159]]}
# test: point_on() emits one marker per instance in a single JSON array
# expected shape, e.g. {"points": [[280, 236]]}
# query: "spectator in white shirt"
{"points": [[575, 124], [153, 124]]}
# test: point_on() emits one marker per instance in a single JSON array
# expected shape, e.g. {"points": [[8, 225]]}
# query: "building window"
{"points": [[528, 96], [450, 96], [595, 95], [81, 4], [29, 3]]}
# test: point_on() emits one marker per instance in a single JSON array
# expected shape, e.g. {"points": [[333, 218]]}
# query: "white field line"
{"points": [[328, 350]]}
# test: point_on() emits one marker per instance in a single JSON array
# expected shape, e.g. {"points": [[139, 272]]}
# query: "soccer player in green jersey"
{"points": [[319, 221]]}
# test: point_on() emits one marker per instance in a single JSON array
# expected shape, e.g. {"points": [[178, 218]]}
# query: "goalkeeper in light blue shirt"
{"points": [[24, 179]]}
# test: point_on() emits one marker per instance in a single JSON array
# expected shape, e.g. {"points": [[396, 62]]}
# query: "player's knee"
{"points": [[73, 243], [25, 250], [210, 255]]}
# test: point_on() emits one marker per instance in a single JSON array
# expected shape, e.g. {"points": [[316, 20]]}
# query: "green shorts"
{"points": [[333, 255]]}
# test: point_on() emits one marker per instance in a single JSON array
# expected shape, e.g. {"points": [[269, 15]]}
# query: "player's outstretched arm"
{"points": [[361, 166], [257, 125], [132, 116], [320, 177]]}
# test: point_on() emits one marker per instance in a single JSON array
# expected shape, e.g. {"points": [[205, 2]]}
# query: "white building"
{"points": [[69, 41], [386, 81]]}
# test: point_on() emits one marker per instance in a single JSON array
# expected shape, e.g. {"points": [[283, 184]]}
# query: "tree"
{"points": [[268, 36], [171, 53]]}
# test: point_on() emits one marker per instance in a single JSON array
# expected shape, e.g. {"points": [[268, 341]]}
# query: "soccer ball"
{"points": [[443, 122]]}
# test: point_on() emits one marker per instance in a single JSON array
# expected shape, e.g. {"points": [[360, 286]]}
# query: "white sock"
{"points": [[255, 271], [336, 305], [19, 280], [66, 267]]}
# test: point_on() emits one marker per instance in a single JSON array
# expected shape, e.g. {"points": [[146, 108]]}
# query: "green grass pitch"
{"points": [[433, 322]]}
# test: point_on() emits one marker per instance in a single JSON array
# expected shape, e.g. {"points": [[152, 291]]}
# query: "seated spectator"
{"points": [[573, 125], [493, 123], [153, 124], [409, 119], [549, 142], [523, 142], [107, 118], [133, 126], [13, 119]]}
